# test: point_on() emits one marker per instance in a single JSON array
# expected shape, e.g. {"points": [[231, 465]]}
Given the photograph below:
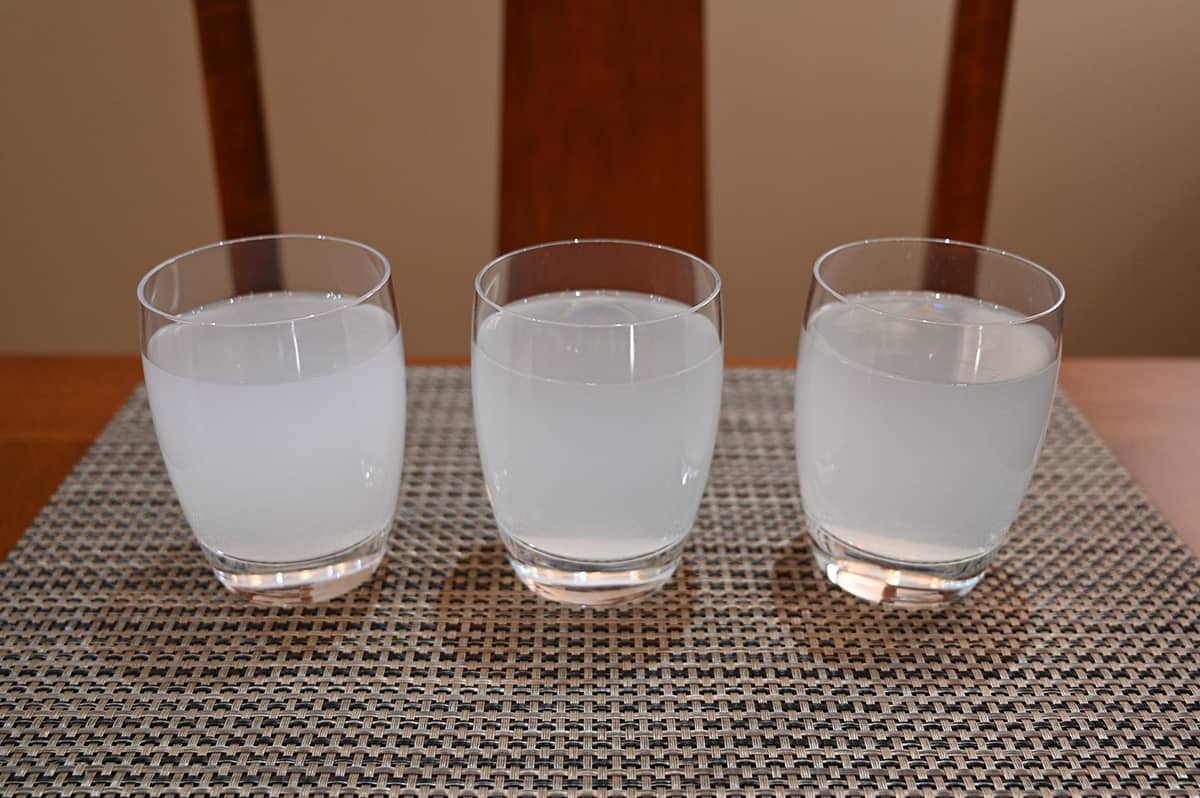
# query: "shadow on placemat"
{"points": [[486, 620], [174, 611], [988, 628]]}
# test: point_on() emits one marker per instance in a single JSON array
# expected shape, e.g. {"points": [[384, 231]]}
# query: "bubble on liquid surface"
{"points": [[596, 311]]}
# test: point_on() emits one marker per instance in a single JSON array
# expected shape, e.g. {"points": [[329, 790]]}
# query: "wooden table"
{"points": [[52, 408]]}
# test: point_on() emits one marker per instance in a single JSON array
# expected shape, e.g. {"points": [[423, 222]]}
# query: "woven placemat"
{"points": [[126, 670]]}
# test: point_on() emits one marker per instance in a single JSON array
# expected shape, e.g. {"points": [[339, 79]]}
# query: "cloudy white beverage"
{"points": [[596, 414], [916, 440], [284, 441]]}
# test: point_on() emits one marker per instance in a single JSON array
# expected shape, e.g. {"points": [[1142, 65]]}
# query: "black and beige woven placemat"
{"points": [[125, 670]]}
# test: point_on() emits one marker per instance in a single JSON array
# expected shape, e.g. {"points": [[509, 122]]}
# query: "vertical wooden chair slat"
{"points": [[603, 122], [239, 141], [970, 118]]}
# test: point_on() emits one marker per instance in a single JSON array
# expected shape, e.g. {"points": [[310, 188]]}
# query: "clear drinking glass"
{"points": [[925, 379], [596, 368], [275, 372]]}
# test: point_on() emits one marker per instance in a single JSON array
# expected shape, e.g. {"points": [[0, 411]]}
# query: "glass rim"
{"points": [[181, 319], [567, 242], [1054, 307]]}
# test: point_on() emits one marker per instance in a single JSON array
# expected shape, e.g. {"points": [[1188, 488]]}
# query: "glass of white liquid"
{"points": [[275, 372], [596, 370], [925, 380]]}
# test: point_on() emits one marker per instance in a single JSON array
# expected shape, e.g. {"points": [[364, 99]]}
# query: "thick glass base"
{"points": [[901, 584], [306, 582], [591, 584]]}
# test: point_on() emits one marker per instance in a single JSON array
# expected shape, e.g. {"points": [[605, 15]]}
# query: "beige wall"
{"points": [[383, 125], [1098, 167], [823, 121], [383, 119], [104, 165]]}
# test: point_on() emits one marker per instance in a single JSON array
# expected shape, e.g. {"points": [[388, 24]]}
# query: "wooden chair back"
{"points": [[603, 124]]}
